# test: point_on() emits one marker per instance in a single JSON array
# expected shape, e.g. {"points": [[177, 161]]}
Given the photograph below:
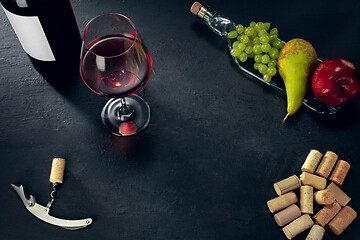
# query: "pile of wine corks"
{"points": [[314, 187]]}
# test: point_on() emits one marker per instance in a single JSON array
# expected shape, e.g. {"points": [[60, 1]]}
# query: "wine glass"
{"points": [[115, 63]]}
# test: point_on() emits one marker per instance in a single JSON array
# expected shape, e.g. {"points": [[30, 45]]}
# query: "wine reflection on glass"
{"points": [[115, 63]]}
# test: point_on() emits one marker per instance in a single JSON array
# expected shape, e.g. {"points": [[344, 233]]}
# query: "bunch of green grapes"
{"points": [[257, 43]]}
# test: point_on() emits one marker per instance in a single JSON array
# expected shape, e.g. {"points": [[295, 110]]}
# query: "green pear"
{"points": [[296, 62]]}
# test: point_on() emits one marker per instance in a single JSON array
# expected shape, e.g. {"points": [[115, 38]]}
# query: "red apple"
{"points": [[335, 81]]}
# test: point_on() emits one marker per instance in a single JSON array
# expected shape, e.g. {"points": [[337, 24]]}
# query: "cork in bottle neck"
{"points": [[198, 9]]}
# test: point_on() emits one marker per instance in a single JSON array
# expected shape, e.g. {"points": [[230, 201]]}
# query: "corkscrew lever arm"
{"points": [[42, 212]]}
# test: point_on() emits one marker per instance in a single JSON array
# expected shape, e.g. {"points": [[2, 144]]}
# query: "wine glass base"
{"points": [[130, 124]]}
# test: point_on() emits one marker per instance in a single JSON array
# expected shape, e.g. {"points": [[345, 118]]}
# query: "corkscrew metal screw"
{"points": [[52, 195]]}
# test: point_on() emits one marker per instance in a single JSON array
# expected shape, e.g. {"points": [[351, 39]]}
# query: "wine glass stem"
{"points": [[124, 112], [124, 109]]}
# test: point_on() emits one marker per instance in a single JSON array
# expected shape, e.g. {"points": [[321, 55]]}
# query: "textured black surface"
{"points": [[205, 166]]}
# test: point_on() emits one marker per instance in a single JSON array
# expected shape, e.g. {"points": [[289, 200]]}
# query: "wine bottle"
{"points": [[221, 26], [48, 32]]}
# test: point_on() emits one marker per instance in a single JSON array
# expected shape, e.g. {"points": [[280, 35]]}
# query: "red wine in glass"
{"points": [[112, 65], [115, 63]]}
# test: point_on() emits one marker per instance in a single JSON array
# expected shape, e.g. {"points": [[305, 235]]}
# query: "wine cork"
{"points": [[316, 233], [324, 197], [327, 213], [340, 196], [297, 226], [326, 164], [313, 180], [57, 170], [341, 169], [287, 215], [195, 7], [307, 199], [311, 161], [342, 220], [282, 202], [287, 185]]}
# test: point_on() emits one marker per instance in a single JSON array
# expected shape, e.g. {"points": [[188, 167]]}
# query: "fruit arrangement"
{"points": [[257, 50], [295, 61]]}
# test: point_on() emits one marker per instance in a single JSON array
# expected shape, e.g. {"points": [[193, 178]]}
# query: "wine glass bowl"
{"points": [[115, 63]]}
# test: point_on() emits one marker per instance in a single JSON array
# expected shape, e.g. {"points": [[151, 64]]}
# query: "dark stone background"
{"points": [[205, 166]]}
